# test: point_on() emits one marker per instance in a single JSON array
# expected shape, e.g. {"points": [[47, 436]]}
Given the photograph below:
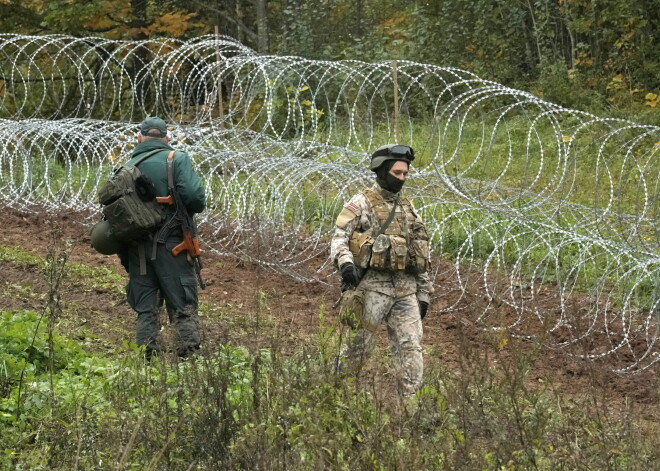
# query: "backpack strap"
{"points": [[146, 156], [143, 259], [140, 245]]}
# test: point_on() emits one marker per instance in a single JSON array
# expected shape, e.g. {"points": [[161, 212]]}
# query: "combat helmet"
{"points": [[391, 152], [103, 240]]}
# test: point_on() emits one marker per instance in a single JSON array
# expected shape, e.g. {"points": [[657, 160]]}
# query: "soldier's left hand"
{"points": [[423, 307]]}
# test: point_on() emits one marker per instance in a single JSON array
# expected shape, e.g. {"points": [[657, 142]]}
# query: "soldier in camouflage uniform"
{"points": [[385, 252]]}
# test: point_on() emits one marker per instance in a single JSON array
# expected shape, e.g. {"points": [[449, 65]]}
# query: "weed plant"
{"points": [[231, 408]]}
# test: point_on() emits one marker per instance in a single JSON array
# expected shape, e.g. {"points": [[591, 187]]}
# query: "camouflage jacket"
{"points": [[358, 215]]}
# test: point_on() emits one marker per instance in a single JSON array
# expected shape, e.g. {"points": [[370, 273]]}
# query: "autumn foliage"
{"points": [[579, 53]]}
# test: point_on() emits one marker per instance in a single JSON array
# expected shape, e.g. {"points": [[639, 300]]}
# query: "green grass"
{"points": [[64, 407], [235, 409], [99, 278]]}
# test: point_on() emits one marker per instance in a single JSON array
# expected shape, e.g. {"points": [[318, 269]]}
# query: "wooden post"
{"points": [[218, 57], [395, 84]]}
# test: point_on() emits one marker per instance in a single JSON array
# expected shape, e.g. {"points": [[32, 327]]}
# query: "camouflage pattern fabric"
{"points": [[390, 297], [404, 329], [358, 215]]}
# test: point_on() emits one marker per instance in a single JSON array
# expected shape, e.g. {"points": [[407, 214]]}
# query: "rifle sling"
{"points": [[163, 231], [170, 170], [389, 219], [146, 156]]}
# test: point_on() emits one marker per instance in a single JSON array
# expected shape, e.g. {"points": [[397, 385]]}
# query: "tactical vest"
{"points": [[402, 246]]}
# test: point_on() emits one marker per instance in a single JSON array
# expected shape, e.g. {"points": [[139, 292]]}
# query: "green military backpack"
{"points": [[129, 203]]}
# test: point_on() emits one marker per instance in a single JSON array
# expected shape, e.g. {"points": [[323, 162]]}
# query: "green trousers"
{"points": [[167, 278]]}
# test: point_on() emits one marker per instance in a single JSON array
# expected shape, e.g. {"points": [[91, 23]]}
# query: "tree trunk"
{"points": [[359, 13], [139, 10], [239, 18], [140, 58], [262, 25]]}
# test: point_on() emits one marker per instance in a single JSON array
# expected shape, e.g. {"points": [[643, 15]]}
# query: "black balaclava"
{"points": [[386, 180]]}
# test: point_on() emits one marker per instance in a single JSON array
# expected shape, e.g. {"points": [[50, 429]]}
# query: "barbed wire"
{"points": [[543, 219]]}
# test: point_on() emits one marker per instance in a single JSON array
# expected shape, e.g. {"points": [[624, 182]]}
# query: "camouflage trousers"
{"points": [[170, 279], [404, 329]]}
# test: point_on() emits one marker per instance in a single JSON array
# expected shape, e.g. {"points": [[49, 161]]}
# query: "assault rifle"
{"points": [[189, 242], [182, 217]]}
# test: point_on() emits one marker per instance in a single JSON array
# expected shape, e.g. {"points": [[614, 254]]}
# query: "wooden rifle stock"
{"points": [[189, 244], [165, 200]]}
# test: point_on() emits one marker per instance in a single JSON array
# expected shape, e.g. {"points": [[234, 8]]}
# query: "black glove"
{"points": [[349, 275], [423, 307]]}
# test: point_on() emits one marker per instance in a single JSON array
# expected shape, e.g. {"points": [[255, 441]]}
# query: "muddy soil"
{"points": [[246, 304]]}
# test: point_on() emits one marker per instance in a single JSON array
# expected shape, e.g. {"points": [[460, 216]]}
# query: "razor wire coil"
{"points": [[546, 217]]}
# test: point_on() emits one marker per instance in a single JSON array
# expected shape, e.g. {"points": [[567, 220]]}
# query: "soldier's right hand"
{"points": [[349, 274]]}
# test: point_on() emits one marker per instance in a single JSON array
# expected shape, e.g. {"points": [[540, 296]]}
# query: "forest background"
{"points": [[490, 400], [601, 56]]}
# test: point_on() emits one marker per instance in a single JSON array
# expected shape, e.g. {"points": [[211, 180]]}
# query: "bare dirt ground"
{"points": [[255, 307]]}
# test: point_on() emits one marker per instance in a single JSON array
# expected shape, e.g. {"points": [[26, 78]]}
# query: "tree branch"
{"points": [[235, 21]]}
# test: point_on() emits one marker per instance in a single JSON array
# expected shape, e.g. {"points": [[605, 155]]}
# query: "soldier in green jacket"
{"points": [[154, 272]]}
